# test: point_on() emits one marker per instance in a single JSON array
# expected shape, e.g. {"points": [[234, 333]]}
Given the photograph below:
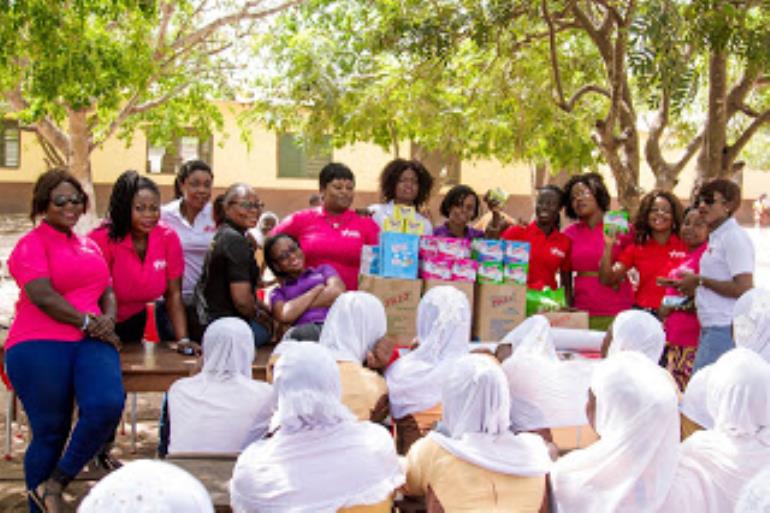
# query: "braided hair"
{"points": [[119, 209]]}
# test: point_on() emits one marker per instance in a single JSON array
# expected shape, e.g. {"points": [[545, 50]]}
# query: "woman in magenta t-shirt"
{"points": [[305, 294], [681, 322], [145, 258], [60, 350], [333, 233], [586, 200]]}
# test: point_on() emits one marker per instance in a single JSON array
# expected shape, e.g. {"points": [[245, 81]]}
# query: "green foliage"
{"points": [[449, 75]]}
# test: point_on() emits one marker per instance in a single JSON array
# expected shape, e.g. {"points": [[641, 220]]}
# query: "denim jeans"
{"points": [[714, 342], [50, 378]]}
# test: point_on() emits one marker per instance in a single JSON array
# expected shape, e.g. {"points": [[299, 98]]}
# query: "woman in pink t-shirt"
{"points": [[145, 258], [60, 350], [587, 199], [681, 322], [333, 233]]}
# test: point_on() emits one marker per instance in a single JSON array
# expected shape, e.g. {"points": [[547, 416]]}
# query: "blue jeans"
{"points": [[261, 334], [714, 342], [50, 378]]}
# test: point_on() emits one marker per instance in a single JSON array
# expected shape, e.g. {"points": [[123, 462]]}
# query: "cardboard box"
{"points": [[568, 319], [498, 309], [463, 286], [400, 298]]}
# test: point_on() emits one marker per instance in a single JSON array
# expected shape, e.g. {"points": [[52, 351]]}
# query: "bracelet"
{"points": [[700, 281], [86, 322], [184, 340]]}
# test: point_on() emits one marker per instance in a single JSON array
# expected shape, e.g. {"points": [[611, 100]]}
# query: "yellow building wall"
{"points": [[234, 160]]}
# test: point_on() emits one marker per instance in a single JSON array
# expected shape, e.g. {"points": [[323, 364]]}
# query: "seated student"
{"points": [[460, 206], [221, 409], [751, 330], [354, 334], [320, 458], [635, 330], [472, 461], [716, 463], [754, 496], [414, 381], [303, 298], [629, 469], [147, 485]]}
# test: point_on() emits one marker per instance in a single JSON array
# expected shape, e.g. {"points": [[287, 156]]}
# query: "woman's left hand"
{"points": [[688, 284], [101, 326]]}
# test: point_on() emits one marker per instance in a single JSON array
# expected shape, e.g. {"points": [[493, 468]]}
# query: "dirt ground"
{"points": [[12, 487]]}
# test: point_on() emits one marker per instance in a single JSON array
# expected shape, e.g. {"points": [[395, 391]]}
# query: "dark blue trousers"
{"points": [[50, 378]]}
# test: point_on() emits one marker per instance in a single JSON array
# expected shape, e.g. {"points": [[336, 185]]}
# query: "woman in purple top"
{"points": [[305, 294], [460, 206]]}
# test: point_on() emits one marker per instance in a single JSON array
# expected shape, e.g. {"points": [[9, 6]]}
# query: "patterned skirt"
{"points": [[680, 362]]}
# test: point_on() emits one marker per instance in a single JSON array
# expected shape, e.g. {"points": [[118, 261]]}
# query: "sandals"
{"points": [[50, 500], [106, 461]]}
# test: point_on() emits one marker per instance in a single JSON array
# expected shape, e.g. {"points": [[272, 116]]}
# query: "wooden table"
{"points": [[155, 370]]}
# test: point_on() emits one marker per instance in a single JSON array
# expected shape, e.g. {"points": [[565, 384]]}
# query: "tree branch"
{"points": [[732, 151], [167, 10], [45, 126]]}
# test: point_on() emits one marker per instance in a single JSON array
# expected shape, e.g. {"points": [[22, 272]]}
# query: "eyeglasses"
{"points": [[287, 253], [62, 199], [661, 211], [249, 205], [707, 200], [581, 194]]}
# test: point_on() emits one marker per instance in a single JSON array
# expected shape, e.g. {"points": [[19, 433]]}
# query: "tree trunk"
{"points": [[711, 158], [79, 162]]}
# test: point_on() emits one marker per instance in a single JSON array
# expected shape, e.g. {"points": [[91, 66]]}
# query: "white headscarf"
{"points": [[631, 466], [220, 409], [147, 486], [751, 322], [545, 391], [475, 421], [716, 463], [755, 496], [259, 236], [443, 333], [532, 336], [354, 324], [751, 330], [228, 349], [637, 330], [321, 459], [307, 383]]}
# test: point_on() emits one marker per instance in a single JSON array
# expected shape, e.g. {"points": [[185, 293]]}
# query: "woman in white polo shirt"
{"points": [[190, 215], [726, 270]]}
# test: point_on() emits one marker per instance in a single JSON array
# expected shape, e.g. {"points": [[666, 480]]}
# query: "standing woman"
{"points": [[60, 349], [549, 248], [656, 245], [460, 206], [587, 199], [726, 270], [333, 233], [191, 216], [144, 257], [407, 183], [230, 276]]}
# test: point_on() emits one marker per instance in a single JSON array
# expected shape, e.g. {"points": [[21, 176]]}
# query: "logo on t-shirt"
{"points": [[676, 254], [159, 265], [351, 233], [557, 252]]}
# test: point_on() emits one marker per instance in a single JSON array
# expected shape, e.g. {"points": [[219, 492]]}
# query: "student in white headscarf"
{"points": [[632, 407], [545, 392], [221, 409], [715, 464], [472, 461], [320, 459], [751, 330], [755, 496], [354, 333], [636, 330], [414, 381], [147, 486]]}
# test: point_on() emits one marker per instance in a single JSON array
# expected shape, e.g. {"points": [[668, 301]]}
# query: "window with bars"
{"points": [[168, 159], [10, 144], [298, 159]]}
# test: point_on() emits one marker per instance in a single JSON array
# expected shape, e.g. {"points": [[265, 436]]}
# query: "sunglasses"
{"points": [[62, 199], [287, 253], [706, 200], [249, 205]]}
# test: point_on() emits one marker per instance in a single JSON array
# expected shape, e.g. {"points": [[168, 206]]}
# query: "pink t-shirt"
{"points": [[77, 271], [332, 239], [138, 282], [682, 328], [590, 294]]}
